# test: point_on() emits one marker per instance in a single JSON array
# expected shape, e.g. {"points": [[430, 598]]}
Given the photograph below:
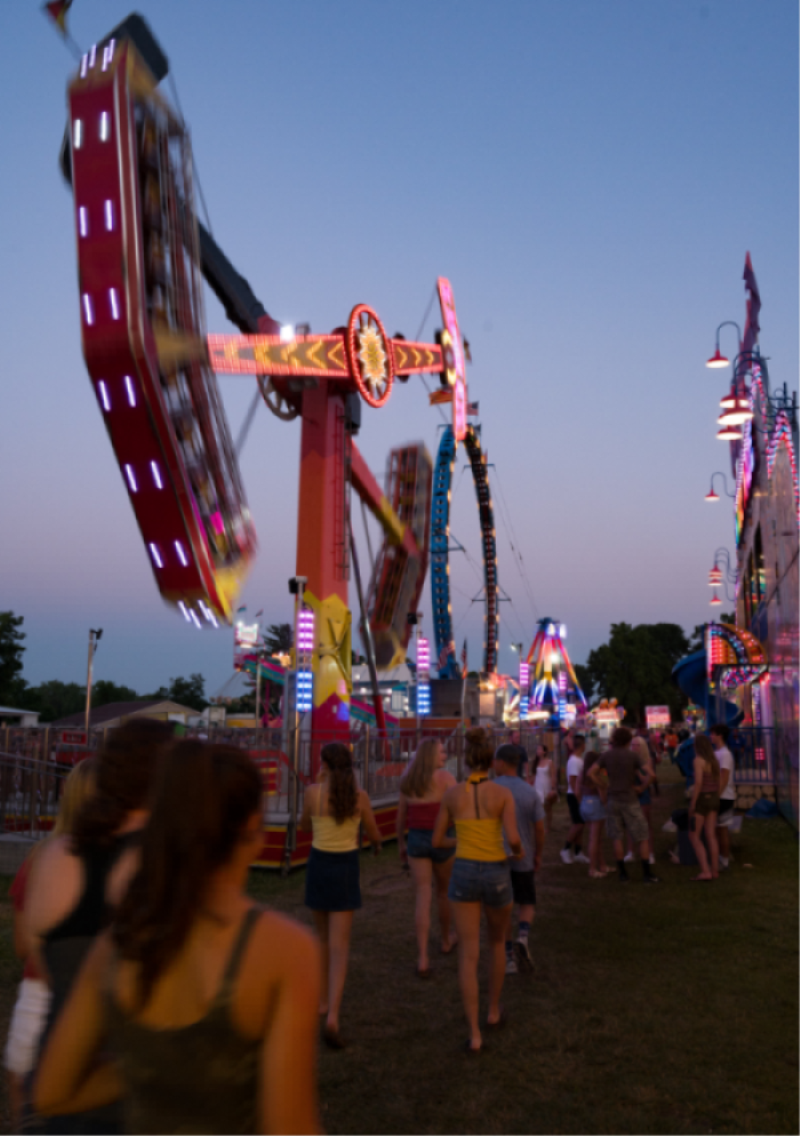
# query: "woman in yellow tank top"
{"points": [[333, 810], [481, 811]]}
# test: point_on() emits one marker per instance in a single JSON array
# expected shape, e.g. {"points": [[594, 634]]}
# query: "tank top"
{"points": [[65, 946], [710, 783], [328, 835], [543, 783], [197, 1078], [423, 814], [479, 838]]}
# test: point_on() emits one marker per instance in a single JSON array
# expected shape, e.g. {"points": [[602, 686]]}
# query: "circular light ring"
{"points": [[366, 335], [440, 545]]}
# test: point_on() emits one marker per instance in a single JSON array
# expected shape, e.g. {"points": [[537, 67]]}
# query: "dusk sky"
{"points": [[588, 175]]}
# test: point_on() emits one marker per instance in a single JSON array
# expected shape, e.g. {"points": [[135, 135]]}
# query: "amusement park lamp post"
{"points": [[94, 639]]}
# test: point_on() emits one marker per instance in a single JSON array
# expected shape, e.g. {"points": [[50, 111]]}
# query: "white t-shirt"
{"points": [[725, 759], [574, 769]]}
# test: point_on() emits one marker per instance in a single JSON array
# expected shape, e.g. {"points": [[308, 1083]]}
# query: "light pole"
{"points": [[711, 496], [94, 639]]}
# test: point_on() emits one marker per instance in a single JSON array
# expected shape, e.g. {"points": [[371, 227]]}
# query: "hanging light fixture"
{"points": [[717, 360], [715, 601], [736, 409], [715, 577], [730, 434], [712, 496]]}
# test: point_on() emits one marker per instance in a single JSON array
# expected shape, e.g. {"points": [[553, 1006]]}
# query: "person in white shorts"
{"points": [[727, 790]]}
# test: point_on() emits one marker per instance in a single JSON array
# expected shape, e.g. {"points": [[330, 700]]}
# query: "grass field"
{"points": [[661, 1009]]}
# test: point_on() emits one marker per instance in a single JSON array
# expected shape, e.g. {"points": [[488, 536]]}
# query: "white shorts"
{"points": [[27, 1023]]}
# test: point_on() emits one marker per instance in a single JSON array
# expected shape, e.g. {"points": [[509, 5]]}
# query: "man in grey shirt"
{"points": [[622, 789], [509, 766]]}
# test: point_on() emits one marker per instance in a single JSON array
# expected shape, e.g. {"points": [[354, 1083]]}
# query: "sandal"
{"points": [[501, 1021]]}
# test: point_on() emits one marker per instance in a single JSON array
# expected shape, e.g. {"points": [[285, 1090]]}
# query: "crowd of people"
{"points": [[158, 997]]}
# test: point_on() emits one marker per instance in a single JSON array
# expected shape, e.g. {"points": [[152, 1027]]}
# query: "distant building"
{"points": [[117, 713], [12, 717]]}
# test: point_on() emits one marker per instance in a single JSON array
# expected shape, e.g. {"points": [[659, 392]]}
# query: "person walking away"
{"points": [[727, 790], [333, 810], [640, 746], [594, 813], [33, 999], [624, 812], [544, 781], [574, 783], [704, 809], [421, 792], [482, 812], [509, 766], [207, 1001], [78, 879]]}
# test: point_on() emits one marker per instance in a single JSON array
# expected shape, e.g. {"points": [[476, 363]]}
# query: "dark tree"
{"points": [[584, 677], [105, 692], [635, 667], [279, 638], [185, 691], [12, 684], [55, 699]]}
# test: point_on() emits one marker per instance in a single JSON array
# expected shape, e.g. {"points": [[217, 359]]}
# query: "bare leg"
{"points": [[711, 841], [422, 875], [341, 925], [467, 918], [548, 814], [441, 879], [648, 814], [321, 924], [601, 852], [497, 924], [699, 847]]}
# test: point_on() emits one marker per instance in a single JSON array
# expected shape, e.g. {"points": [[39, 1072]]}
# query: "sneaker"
{"points": [[511, 965], [724, 862], [628, 858], [652, 858], [524, 961], [581, 858], [566, 855], [651, 879], [669, 826]]}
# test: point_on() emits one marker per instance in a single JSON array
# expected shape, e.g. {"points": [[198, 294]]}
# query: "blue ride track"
{"points": [[440, 553]]}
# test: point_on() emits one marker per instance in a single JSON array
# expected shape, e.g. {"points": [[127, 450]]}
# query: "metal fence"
{"points": [[30, 791]]}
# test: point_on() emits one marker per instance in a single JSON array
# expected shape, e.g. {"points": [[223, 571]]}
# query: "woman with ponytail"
{"points": [[77, 879], [481, 812], [333, 810], [207, 1001]]}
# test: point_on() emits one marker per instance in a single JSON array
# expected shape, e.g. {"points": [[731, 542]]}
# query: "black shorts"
{"points": [[523, 887], [574, 809]]}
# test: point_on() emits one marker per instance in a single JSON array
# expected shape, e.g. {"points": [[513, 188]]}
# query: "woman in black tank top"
{"points": [[72, 882], [208, 1003]]}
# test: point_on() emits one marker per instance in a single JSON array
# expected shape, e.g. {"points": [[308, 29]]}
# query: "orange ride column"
{"points": [[323, 557]]}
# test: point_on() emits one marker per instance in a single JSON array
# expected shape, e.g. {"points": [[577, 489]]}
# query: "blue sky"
{"points": [[588, 175]]}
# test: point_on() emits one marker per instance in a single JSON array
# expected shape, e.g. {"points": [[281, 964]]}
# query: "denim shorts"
{"points": [[419, 846], [593, 809], [481, 881]]}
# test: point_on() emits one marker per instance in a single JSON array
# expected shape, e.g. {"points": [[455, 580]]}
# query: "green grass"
{"points": [[664, 1009]]}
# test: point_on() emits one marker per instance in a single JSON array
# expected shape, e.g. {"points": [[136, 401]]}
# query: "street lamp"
{"points": [[711, 496], [718, 360], [94, 639]]}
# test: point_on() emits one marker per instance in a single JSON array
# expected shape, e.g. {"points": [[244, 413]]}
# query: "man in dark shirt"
{"points": [[624, 787]]}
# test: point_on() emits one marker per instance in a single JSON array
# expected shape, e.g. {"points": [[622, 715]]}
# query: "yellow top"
{"points": [[480, 839], [328, 836]]}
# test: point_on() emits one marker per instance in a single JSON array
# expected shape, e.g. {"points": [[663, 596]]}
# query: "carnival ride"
{"points": [[141, 255], [549, 687]]}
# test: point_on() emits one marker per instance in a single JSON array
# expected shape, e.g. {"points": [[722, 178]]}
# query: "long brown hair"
{"points": [[704, 748], [419, 775], [342, 788], [124, 775], [204, 796], [78, 787], [480, 752]]}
